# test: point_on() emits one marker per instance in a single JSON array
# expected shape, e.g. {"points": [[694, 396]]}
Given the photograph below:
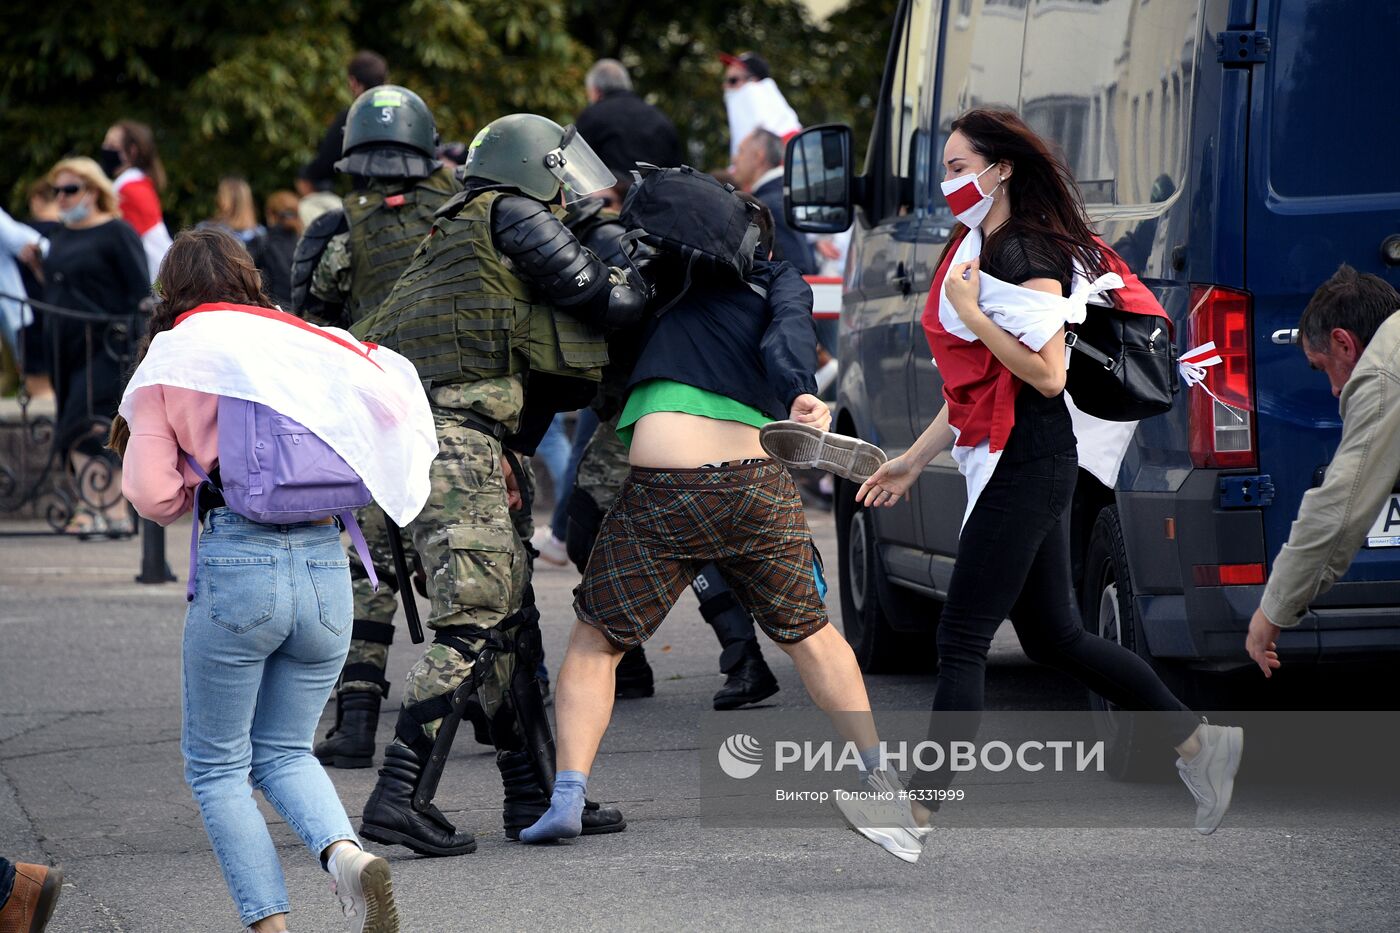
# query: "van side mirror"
{"points": [[817, 179]]}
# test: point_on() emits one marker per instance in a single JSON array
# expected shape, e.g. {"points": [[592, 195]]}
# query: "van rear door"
{"points": [[1324, 188]]}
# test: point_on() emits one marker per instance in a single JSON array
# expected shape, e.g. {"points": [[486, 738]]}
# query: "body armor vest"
{"points": [[385, 229], [460, 314]]}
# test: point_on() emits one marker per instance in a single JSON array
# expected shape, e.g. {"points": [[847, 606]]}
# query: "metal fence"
{"points": [[53, 480]]}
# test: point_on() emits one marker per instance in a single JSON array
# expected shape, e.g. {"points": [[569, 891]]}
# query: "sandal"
{"points": [[120, 528], [85, 525]]}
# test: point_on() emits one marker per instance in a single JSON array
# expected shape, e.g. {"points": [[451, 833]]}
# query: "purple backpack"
{"points": [[276, 472]]}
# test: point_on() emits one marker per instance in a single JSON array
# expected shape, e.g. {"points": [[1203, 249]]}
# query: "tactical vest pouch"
{"points": [[483, 327], [582, 346]]}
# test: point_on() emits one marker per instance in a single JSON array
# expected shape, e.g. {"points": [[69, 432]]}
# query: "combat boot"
{"points": [[526, 800], [749, 680], [390, 817], [634, 677], [350, 743]]}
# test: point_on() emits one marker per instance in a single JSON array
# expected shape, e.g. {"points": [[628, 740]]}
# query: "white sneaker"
{"points": [[885, 822], [362, 884], [1210, 776], [552, 550]]}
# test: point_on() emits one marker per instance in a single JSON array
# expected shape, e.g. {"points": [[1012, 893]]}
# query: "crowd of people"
{"points": [[467, 297]]}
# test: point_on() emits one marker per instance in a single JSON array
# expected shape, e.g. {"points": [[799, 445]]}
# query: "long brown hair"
{"points": [[1044, 197], [139, 148], [202, 266]]}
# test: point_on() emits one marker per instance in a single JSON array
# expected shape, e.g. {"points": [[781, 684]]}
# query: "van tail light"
{"points": [[1223, 428], [1227, 574]]}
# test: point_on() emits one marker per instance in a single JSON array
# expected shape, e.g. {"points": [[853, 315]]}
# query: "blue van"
{"points": [[1235, 152]]}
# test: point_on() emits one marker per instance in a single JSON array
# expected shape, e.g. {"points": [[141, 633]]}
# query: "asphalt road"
{"points": [[90, 778]]}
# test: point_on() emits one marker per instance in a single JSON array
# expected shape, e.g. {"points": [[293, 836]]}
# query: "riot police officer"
{"points": [[343, 268], [504, 313]]}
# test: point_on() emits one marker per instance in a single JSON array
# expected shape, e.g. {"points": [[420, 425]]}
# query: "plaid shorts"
{"points": [[667, 524]]}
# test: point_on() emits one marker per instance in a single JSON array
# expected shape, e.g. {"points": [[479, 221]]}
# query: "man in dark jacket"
{"points": [[758, 168], [366, 70], [622, 128]]}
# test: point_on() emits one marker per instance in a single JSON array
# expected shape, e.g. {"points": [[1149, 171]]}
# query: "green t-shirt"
{"points": [[664, 395]]}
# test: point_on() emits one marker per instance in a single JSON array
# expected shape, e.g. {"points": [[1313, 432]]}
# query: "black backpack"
{"points": [[696, 216]]}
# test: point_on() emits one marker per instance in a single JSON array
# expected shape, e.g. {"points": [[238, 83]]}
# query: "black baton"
{"points": [[410, 604]]}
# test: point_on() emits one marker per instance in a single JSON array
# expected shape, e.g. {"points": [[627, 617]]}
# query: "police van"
{"points": [[1234, 152]]}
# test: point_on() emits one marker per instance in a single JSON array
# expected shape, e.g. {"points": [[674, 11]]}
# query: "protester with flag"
{"points": [[1021, 263], [269, 619], [753, 100]]}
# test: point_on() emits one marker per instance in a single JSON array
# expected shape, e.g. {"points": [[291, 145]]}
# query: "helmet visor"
{"points": [[578, 167]]}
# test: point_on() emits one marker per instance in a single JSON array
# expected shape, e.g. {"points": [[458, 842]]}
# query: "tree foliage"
{"points": [[249, 88]]}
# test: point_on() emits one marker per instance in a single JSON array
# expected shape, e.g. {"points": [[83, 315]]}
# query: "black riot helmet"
{"points": [[389, 133]]}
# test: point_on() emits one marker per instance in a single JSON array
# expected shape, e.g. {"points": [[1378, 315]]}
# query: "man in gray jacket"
{"points": [[1350, 330]]}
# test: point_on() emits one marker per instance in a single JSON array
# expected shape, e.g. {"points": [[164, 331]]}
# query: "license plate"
{"points": [[1386, 531]]}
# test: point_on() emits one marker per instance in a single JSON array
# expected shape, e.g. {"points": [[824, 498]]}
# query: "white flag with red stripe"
{"points": [[364, 400], [759, 105]]}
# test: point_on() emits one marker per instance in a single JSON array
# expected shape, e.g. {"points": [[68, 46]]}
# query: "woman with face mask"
{"points": [[1005, 415], [94, 265], [128, 156]]}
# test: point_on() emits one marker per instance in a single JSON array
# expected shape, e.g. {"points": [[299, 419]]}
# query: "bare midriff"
{"points": [[672, 440]]}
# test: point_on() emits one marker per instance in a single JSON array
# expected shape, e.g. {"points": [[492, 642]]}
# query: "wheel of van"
{"points": [[1109, 611], [865, 594]]}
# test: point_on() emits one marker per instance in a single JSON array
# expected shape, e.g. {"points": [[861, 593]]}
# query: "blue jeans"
{"points": [[553, 449], [265, 638]]}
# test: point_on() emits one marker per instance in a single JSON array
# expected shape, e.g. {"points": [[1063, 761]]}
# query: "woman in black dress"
{"points": [[95, 265]]}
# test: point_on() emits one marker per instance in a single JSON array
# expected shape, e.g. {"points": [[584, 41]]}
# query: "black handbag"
{"points": [[1122, 365]]}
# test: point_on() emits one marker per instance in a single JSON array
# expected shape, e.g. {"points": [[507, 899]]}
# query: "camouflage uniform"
{"points": [[499, 289], [333, 281], [603, 467], [376, 607], [472, 548], [330, 282]]}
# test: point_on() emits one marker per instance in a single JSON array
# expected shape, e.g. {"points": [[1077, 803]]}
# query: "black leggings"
{"points": [[1014, 561]]}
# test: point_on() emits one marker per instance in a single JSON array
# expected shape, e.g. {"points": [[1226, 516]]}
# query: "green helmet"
{"points": [[390, 114], [536, 156], [389, 132]]}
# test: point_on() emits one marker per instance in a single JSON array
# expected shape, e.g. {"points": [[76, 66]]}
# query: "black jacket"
{"points": [[624, 130], [726, 339], [788, 244], [320, 171]]}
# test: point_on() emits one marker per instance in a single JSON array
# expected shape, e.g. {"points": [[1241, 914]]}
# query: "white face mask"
{"points": [[965, 196], [77, 213]]}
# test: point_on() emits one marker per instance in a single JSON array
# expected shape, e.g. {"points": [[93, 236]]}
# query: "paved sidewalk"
{"points": [[90, 777]]}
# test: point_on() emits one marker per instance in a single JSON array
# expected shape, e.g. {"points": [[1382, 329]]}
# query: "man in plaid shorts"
{"points": [[720, 364]]}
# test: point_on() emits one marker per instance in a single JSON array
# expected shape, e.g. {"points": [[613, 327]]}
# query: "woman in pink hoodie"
{"points": [[266, 633]]}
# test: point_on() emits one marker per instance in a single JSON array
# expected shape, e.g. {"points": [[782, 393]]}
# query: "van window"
{"points": [[979, 61], [1334, 83], [910, 89], [979, 69], [1110, 81]]}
